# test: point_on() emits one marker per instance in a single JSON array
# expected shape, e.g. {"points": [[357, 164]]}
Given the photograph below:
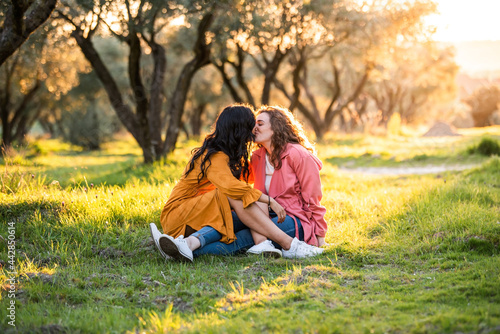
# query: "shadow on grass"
{"points": [[99, 174], [114, 174], [92, 154], [102, 172], [22, 212]]}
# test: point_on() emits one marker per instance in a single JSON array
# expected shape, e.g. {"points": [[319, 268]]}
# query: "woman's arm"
{"points": [[221, 177], [307, 171], [219, 174], [275, 206]]}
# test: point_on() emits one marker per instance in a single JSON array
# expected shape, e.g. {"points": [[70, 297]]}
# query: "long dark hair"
{"points": [[231, 135]]}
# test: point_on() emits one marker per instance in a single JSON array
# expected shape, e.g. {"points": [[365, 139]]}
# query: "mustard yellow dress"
{"points": [[193, 205]]}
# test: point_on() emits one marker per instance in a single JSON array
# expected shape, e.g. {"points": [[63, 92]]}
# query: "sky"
{"points": [[467, 20], [473, 27]]}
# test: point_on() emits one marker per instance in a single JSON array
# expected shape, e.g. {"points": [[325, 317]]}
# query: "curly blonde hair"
{"points": [[286, 129]]}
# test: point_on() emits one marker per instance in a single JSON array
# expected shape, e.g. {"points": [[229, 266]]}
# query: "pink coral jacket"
{"points": [[296, 186]]}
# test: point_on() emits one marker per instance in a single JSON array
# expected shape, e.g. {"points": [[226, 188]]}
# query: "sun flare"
{"points": [[462, 20]]}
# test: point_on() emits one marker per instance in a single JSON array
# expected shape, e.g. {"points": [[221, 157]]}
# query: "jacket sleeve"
{"points": [[219, 174], [307, 171]]}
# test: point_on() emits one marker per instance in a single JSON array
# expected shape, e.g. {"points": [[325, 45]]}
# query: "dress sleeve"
{"points": [[307, 171], [219, 174]]}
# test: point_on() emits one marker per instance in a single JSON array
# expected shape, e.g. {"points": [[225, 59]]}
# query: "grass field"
{"points": [[406, 254]]}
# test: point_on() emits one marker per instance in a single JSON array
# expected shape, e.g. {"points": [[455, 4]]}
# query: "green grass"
{"points": [[417, 254], [405, 151]]}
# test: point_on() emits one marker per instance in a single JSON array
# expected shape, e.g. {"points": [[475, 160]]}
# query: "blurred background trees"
{"points": [[154, 68], [484, 103], [36, 75]]}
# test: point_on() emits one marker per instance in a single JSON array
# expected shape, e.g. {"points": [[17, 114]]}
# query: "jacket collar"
{"points": [[261, 152]]}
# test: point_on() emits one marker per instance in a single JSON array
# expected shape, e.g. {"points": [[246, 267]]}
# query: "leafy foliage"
{"points": [[487, 147]]}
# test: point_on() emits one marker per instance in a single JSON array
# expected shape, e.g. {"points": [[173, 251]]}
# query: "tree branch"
{"points": [[15, 32], [178, 100], [22, 106], [227, 81]]}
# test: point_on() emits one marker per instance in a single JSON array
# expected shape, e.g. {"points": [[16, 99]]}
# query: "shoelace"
{"points": [[306, 248]]}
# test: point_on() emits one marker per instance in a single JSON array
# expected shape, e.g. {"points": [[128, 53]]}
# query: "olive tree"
{"points": [[139, 25], [18, 20]]}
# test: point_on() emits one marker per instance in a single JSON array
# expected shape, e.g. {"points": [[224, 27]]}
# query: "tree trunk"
{"points": [[25, 124], [47, 126], [123, 111], [5, 106], [178, 100], [225, 78], [13, 127], [156, 96], [270, 72], [196, 119], [314, 121], [240, 77], [18, 26], [6, 133], [140, 96]]}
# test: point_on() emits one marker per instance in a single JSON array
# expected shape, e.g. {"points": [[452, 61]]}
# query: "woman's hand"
{"points": [[278, 209], [321, 241]]}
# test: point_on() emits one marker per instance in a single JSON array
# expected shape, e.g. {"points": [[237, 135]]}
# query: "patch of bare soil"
{"points": [[52, 329], [108, 253], [45, 278], [178, 303], [254, 272], [441, 129]]}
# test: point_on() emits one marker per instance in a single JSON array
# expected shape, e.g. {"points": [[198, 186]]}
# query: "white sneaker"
{"points": [[300, 249], [318, 250], [265, 248], [155, 234], [176, 248]]}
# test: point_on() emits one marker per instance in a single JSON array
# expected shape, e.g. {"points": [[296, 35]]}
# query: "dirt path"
{"points": [[420, 170]]}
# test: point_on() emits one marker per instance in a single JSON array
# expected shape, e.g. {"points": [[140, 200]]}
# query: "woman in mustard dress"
{"points": [[213, 200]]}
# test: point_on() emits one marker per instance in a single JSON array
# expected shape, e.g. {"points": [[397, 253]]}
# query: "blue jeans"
{"points": [[210, 244]]}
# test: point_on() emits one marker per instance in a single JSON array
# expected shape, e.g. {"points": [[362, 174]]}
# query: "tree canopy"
{"points": [[339, 64]]}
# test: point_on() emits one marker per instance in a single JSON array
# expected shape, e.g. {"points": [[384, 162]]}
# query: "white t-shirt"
{"points": [[269, 173]]}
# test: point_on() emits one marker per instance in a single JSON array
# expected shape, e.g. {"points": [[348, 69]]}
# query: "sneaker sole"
{"points": [[163, 255], [274, 255], [170, 248], [300, 257]]}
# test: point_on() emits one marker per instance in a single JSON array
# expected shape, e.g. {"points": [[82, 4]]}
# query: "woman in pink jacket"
{"points": [[287, 169]]}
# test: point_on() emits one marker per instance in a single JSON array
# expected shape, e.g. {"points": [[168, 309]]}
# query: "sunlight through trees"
{"points": [[168, 67]]}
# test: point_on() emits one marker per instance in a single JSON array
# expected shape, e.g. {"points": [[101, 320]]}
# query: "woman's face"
{"points": [[262, 130]]}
